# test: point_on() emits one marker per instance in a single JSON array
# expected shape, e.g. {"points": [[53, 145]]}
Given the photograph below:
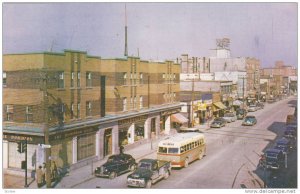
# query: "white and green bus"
{"points": [[182, 149]]}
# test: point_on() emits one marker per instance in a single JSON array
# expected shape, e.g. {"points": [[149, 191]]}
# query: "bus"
{"points": [[182, 149]]}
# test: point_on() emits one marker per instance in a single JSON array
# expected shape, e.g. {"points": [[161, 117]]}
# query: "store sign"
{"points": [[17, 138], [73, 133], [132, 120]]}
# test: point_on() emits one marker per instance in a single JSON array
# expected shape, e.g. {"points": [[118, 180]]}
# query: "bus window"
{"points": [[196, 144], [162, 150], [181, 149], [188, 146], [173, 151], [193, 145]]}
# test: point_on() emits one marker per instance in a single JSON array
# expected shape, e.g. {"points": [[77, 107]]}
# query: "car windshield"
{"points": [[145, 165], [112, 158]]}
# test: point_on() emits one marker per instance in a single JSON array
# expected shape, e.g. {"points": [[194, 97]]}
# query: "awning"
{"points": [[237, 103], [179, 118], [220, 105]]}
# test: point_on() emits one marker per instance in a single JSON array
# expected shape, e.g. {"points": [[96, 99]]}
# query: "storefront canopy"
{"points": [[220, 105], [179, 118]]}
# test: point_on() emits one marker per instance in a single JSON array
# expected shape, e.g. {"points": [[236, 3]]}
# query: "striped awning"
{"points": [[220, 105]]}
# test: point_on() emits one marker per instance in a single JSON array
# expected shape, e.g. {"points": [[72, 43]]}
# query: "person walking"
{"points": [[39, 177], [53, 169]]}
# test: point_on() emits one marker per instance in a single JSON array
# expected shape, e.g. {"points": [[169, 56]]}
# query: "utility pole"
{"points": [[46, 129], [243, 92], [148, 91], [193, 97]]}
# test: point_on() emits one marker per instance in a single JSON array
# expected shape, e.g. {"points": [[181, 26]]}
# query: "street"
{"points": [[232, 157]]}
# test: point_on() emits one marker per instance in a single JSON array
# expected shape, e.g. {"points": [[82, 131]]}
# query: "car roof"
{"points": [[273, 150], [250, 116], [282, 140]]}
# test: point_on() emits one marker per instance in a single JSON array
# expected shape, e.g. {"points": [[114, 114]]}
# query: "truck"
{"points": [[148, 172]]}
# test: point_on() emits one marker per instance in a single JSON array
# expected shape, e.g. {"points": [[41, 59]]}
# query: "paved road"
{"points": [[232, 157]]}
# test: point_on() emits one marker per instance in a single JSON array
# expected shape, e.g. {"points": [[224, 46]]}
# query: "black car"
{"points": [[274, 159], [116, 165], [218, 122], [284, 145]]}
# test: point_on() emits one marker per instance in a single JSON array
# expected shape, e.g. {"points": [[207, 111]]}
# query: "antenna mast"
{"points": [[126, 50]]}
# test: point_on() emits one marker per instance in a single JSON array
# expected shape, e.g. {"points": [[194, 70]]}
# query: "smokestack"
{"points": [[126, 50]]}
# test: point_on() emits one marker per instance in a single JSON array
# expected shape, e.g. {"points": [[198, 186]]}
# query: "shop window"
{"points": [[9, 112], [88, 79], [86, 146], [61, 82], [29, 114]]}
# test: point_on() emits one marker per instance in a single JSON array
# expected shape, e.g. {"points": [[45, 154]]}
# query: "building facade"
{"points": [[93, 105]]}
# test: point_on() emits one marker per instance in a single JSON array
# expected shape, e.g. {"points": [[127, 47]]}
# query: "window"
{"points": [[88, 108], [78, 79], [61, 82], [162, 150], [141, 78], [86, 146], [131, 102], [72, 111], [78, 110], [173, 150], [141, 101], [124, 104], [88, 79], [4, 78], [134, 102], [72, 79], [164, 76], [124, 78], [29, 114], [9, 112]]}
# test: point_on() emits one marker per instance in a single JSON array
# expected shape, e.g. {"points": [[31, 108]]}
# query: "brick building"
{"points": [[94, 105]]}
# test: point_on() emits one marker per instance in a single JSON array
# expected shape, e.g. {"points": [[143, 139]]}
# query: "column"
{"points": [[74, 154], [115, 139], [157, 125], [147, 128], [100, 144], [168, 125], [131, 132], [5, 154]]}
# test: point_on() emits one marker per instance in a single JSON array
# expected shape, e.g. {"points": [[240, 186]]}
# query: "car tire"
{"points": [[132, 167], [148, 184], [186, 163], [112, 175], [167, 174]]}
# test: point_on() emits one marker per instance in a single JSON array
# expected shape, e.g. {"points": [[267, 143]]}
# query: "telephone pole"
{"points": [[193, 97], [46, 129]]}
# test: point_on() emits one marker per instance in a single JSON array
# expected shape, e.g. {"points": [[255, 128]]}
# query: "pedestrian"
{"points": [[44, 173], [53, 169], [39, 177]]}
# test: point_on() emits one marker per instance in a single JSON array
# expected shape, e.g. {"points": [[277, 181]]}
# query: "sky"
{"points": [[156, 31]]}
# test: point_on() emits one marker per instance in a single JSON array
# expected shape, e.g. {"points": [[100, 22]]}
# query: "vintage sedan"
{"points": [[252, 108], [284, 145], [230, 117], [116, 165], [249, 120], [218, 123]]}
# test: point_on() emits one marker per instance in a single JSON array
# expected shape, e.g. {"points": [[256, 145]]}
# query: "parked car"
{"points": [[274, 158], [230, 117], [148, 172], [241, 113], [116, 165], [252, 108], [260, 105], [284, 144], [249, 120], [290, 134], [218, 122], [187, 130]]}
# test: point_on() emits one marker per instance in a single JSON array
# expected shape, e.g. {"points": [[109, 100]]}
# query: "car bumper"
{"points": [[100, 174], [272, 167], [248, 124], [136, 183]]}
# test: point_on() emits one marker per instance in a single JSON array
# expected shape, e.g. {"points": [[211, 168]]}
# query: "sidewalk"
{"points": [[85, 173]]}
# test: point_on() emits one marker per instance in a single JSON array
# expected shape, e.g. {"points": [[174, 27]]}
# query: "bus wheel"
{"points": [[148, 184], [200, 155], [186, 163]]}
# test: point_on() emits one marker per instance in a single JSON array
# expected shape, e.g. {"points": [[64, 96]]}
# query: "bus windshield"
{"points": [[173, 150], [165, 150]]}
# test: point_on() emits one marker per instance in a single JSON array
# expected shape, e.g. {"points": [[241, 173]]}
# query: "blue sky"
{"points": [[267, 31]]}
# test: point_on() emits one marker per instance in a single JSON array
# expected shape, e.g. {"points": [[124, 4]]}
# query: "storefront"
{"points": [[218, 109]]}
